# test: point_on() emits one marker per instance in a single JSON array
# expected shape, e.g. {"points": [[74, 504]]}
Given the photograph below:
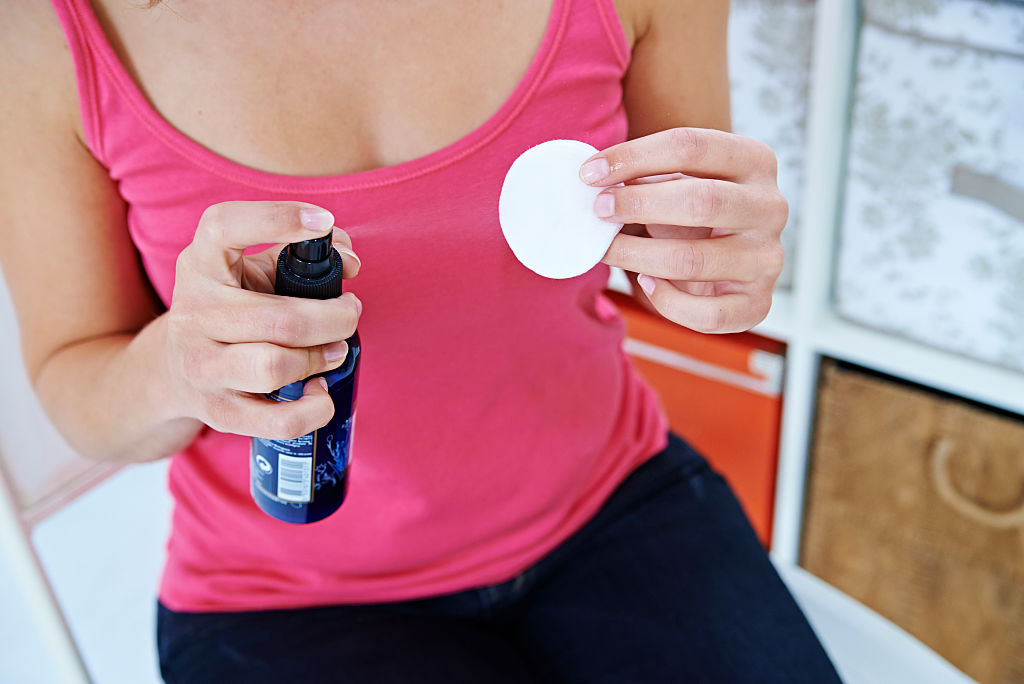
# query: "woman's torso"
{"points": [[497, 409]]}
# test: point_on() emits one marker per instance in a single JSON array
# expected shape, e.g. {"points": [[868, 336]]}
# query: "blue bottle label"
{"points": [[291, 478], [292, 470]]}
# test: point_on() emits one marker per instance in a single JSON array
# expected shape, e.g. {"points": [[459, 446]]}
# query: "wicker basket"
{"points": [[916, 509]]}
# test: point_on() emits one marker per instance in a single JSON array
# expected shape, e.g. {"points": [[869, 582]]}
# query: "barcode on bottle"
{"points": [[294, 478]]}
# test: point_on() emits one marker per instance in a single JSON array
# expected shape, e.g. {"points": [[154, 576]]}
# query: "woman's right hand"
{"points": [[230, 340]]}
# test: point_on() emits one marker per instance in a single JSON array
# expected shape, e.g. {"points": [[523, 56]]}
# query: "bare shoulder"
{"points": [[678, 74], [49, 182], [37, 79], [641, 18]]}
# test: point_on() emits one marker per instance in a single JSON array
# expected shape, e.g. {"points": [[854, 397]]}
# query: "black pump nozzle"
{"points": [[310, 258], [310, 269]]}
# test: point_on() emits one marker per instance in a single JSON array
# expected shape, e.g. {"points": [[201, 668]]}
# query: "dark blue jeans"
{"points": [[667, 583]]}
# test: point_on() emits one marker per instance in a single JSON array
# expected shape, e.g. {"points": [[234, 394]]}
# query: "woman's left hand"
{"points": [[713, 211]]}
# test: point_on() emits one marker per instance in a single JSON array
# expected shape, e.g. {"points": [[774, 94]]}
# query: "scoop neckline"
{"points": [[250, 176]]}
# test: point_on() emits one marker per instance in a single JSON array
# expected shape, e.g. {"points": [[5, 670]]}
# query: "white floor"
{"points": [[103, 554]]}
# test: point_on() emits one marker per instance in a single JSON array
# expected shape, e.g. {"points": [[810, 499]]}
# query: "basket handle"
{"points": [[939, 458]]}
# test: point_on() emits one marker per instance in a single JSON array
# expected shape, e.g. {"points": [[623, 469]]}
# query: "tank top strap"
{"points": [[74, 20], [613, 29]]}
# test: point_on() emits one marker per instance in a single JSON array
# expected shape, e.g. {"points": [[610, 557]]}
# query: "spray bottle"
{"points": [[303, 480]]}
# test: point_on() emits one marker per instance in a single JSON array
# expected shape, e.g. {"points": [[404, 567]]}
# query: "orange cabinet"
{"points": [[722, 393]]}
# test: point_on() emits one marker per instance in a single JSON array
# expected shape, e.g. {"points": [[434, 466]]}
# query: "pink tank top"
{"points": [[497, 410]]}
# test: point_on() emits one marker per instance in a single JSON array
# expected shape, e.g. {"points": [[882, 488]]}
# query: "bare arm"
{"points": [[678, 73], [76, 282], [711, 252], [122, 380]]}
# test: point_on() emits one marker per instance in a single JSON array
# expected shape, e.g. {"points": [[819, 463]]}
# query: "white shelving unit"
{"points": [[804, 317]]}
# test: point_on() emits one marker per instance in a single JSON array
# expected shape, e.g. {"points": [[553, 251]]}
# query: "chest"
{"points": [[323, 88]]}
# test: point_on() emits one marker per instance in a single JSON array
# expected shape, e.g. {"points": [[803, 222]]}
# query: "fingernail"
{"points": [[359, 306], [323, 383], [604, 205], [335, 351], [316, 219], [594, 170], [646, 283], [345, 251]]}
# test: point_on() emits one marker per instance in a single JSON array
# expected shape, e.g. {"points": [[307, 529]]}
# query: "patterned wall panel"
{"points": [[769, 65], [932, 236]]}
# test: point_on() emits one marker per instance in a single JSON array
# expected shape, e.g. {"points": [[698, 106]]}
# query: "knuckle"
{"points": [[187, 277], [705, 201], [216, 234], [349, 316], [212, 214], [764, 260], [324, 415], [693, 146], [767, 159], [688, 261], [217, 411], [269, 368], [780, 210], [213, 219], [283, 328], [774, 259], [182, 265], [287, 424]]}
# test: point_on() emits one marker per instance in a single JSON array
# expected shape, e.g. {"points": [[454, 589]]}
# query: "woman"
{"points": [[517, 510]]}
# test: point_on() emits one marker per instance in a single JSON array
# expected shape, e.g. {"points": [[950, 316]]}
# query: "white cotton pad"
{"points": [[547, 212]]}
